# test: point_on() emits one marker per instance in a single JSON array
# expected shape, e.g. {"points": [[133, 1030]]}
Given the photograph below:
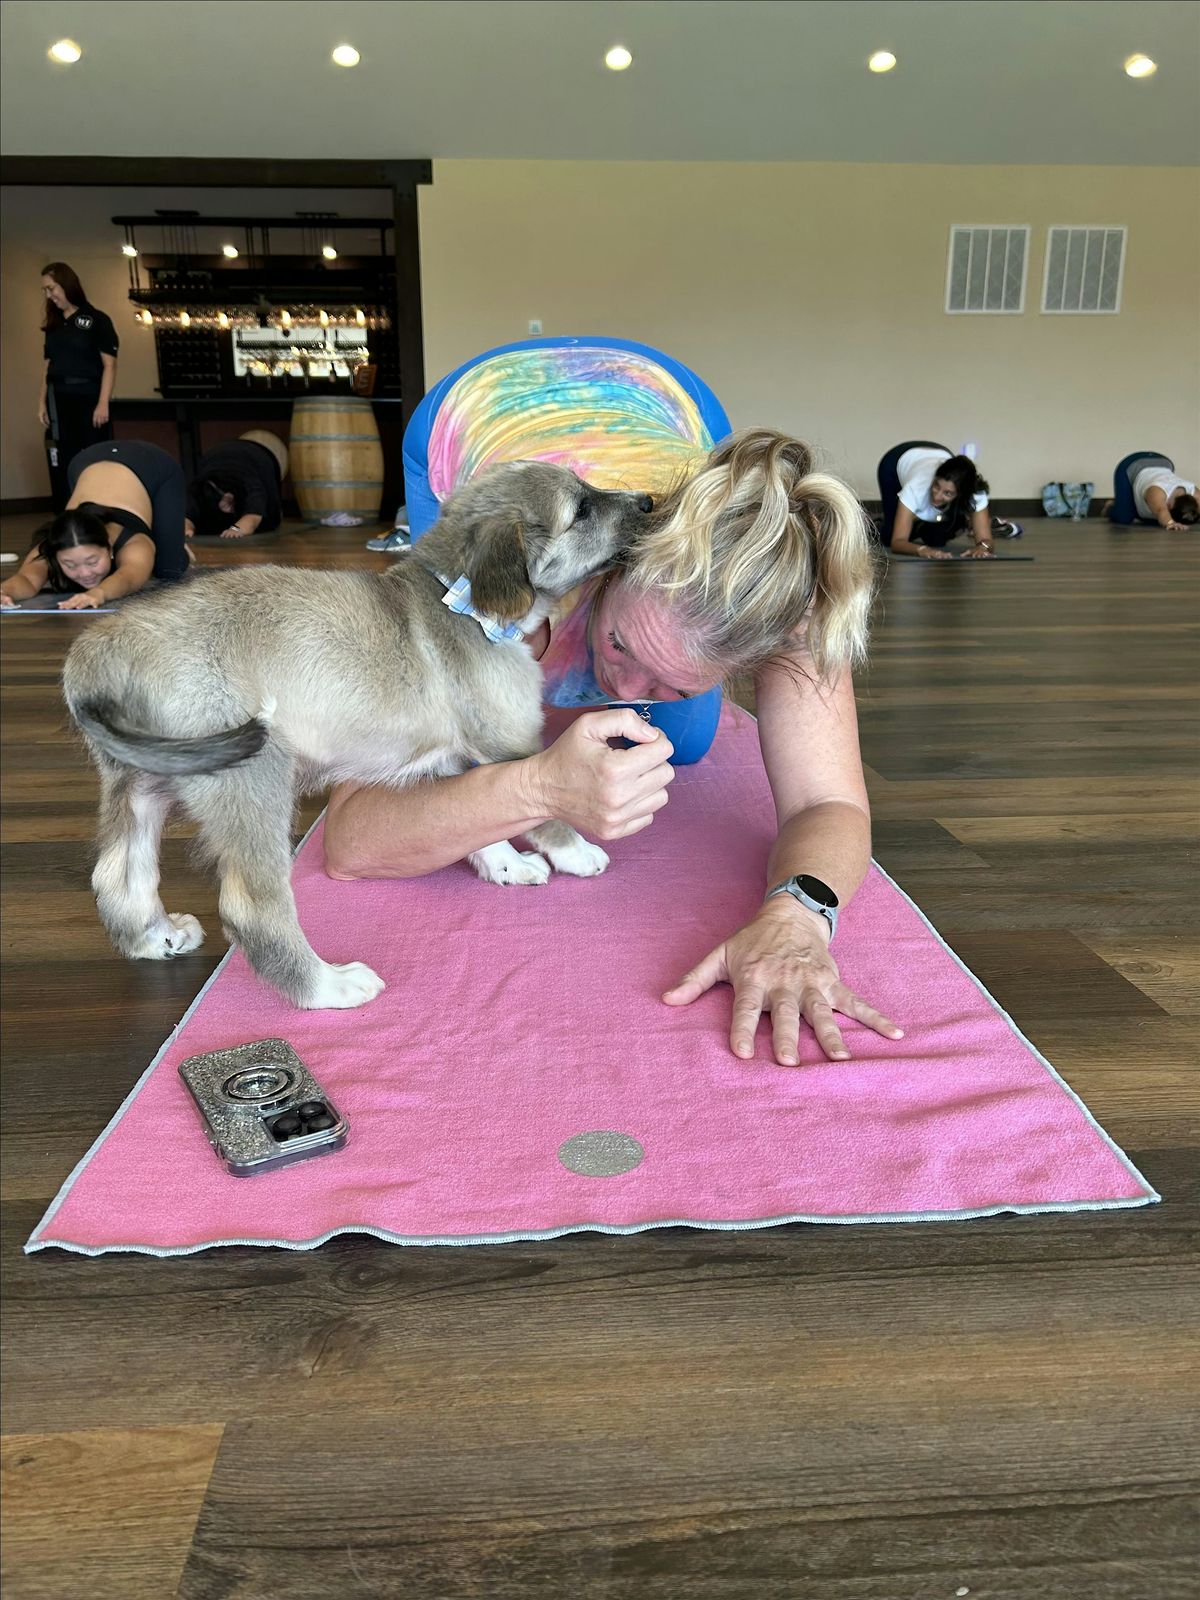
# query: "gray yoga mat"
{"points": [[962, 560]]}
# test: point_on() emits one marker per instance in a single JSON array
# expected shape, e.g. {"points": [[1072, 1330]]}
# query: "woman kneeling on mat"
{"points": [[931, 496], [1147, 489], [757, 563], [236, 490], [123, 526]]}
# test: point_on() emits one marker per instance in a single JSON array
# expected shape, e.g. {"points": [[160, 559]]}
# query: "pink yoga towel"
{"points": [[521, 1037]]}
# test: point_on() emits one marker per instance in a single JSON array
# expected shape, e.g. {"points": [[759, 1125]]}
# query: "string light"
{"points": [[230, 252], [185, 320], [882, 61], [361, 318], [618, 58], [1141, 67], [346, 56], [323, 318], [329, 252], [129, 250], [65, 50], [222, 319]]}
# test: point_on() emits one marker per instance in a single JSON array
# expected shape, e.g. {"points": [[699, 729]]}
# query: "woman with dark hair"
{"points": [[1148, 490], [80, 351], [123, 526], [929, 497], [236, 490]]}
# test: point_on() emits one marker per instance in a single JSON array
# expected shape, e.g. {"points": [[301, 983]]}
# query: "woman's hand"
{"points": [[605, 793], [6, 599], [928, 552], [100, 415], [979, 552], [43, 413], [89, 600], [780, 962], [1175, 527], [235, 532]]}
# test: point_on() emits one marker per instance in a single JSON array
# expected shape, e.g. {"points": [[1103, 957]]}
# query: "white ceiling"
{"points": [[1006, 81]]}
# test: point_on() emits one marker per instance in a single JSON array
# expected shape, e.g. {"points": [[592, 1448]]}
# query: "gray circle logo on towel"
{"points": [[602, 1154]]}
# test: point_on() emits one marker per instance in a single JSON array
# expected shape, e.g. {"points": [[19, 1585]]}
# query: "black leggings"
{"points": [[888, 474], [72, 431], [162, 478]]}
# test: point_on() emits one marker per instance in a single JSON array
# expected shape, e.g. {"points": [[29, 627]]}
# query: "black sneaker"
{"points": [[1004, 529]]}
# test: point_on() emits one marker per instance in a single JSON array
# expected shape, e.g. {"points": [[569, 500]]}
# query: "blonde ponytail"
{"points": [[761, 554]]}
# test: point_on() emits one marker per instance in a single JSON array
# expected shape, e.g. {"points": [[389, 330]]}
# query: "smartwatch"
{"points": [[814, 894]]}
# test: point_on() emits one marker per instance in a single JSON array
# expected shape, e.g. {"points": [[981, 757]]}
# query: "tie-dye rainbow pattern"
{"points": [[615, 417]]}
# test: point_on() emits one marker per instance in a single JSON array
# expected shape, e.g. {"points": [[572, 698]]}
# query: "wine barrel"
{"points": [[337, 460]]}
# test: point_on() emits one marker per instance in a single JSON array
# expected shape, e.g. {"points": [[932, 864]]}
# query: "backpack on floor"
{"points": [[1067, 499]]}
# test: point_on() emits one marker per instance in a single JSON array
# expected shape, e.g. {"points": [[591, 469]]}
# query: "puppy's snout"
{"points": [[644, 502]]}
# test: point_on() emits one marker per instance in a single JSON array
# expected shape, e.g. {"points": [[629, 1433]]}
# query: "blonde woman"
{"points": [[756, 564]]}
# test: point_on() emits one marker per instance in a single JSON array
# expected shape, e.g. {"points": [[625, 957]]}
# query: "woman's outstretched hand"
{"points": [[781, 964], [89, 600]]}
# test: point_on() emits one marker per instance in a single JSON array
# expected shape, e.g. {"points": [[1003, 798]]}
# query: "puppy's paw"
{"points": [[172, 935], [580, 859], [500, 863], [340, 988], [567, 851]]}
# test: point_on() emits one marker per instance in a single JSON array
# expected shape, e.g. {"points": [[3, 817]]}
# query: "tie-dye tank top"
{"points": [[568, 668]]}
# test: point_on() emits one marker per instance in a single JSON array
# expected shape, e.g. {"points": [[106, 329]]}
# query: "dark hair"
{"points": [[67, 280], [207, 493], [81, 525], [1186, 509], [962, 473]]}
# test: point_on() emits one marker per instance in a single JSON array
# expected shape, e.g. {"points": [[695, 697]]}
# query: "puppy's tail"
{"points": [[170, 757]]}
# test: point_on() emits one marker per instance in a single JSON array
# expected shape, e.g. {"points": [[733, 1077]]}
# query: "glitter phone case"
{"points": [[262, 1108]]}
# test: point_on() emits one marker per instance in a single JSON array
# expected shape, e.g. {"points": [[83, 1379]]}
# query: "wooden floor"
{"points": [[1004, 1408]]}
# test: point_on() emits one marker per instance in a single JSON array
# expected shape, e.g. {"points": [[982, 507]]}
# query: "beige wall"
{"points": [[810, 298], [75, 225]]}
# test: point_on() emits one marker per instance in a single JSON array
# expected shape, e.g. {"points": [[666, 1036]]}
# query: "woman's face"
{"points": [[54, 293], [942, 492], [86, 564], [637, 650]]}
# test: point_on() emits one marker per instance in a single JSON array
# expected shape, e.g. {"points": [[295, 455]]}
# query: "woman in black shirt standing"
{"points": [[81, 368]]}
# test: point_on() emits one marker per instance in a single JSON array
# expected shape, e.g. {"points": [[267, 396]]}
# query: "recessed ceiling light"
{"points": [[1141, 67], [346, 56], [329, 252], [66, 51], [618, 58], [882, 61], [230, 252], [129, 249]]}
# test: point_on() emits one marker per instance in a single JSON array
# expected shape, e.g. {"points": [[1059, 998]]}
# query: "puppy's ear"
{"points": [[496, 565]]}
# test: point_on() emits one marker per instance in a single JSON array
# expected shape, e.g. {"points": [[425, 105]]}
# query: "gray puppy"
{"points": [[230, 693]]}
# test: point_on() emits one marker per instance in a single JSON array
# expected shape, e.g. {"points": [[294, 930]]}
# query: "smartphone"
{"points": [[262, 1109]]}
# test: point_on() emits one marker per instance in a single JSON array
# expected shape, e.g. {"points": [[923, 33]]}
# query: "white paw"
{"points": [[173, 935], [339, 988], [580, 860], [185, 933], [500, 863]]}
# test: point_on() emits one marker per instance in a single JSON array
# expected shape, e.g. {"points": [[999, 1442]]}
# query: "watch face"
{"points": [[816, 890]]}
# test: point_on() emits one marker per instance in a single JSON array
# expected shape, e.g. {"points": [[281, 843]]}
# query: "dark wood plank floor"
{"points": [[1004, 1408]]}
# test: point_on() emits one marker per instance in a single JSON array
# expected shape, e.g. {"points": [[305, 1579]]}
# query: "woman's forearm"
{"points": [[118, 584], [830, 841], [108, 381], [20, 587], [403, 833]]}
